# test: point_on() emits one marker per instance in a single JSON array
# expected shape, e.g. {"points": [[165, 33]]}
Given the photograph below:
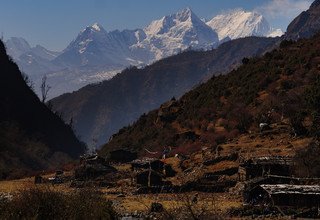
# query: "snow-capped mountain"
{"points": [[35, 61], [94, 46], [164, 37], [239, 24], [17, 47], [96, 54], [177, 32]]}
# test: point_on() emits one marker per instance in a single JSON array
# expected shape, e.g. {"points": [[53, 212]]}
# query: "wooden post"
{"points": [[149, 176]]}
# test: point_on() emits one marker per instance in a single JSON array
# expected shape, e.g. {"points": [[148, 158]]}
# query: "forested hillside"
{"points": [[282, 86]]}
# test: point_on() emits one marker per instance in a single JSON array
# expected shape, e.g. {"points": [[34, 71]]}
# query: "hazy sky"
{"points": [[54, 23]]}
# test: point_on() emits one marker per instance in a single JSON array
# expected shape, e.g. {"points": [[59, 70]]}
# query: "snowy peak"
{"points": [[92, 31], [185, 15], [184, 19], [16, 46], [96, 27], [177, 32], [240, 23]]}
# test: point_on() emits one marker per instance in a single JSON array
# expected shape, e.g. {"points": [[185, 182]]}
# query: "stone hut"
{"points": [[297, 196], [263, 166]]}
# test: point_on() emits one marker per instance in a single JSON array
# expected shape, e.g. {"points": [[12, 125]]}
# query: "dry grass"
{"points": [[122, 167], [214, 202], [12, 186], [254, 145], [222, 166]]}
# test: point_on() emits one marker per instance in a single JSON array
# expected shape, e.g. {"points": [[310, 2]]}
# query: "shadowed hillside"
{"points": [[31, 136]]}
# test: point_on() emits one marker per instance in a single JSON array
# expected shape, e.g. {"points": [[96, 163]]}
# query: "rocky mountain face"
{"points": [[239, 23], [32, 138], [97, 54], [98, 111], [306, 24]]}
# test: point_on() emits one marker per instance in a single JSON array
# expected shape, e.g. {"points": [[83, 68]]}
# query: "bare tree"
{"points": [[44, 89]]}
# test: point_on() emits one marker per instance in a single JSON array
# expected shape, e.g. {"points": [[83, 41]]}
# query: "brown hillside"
{"points": [[282, 87]]}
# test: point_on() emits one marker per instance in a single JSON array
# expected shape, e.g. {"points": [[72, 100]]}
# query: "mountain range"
{"points": [[95, 54]]}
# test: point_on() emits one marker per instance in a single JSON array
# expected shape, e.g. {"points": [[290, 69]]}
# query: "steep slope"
{"points": [[100, 110], [282, 88], [306, 24], [31, 136], [239, 23]]}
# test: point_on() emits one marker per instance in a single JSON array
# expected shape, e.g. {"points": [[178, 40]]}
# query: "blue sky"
{"points": [[54, 23]]}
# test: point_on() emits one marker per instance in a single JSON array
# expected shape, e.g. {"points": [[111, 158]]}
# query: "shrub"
{"points": [[36, 203], [307, 161], [286, 43]]}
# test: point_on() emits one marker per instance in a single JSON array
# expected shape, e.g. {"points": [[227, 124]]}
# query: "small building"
{"points": [[148, 163], [122, 156], [263, 166], [93, 166], [92, 159], [297, 196], [38, 179]]}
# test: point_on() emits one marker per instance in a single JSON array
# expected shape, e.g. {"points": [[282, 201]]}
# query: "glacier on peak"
{"points": [[177, 32], [239, 23], [96, 27]]}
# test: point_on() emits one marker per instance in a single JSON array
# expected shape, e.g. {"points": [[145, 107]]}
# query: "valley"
{"points": [[183, 118]]}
